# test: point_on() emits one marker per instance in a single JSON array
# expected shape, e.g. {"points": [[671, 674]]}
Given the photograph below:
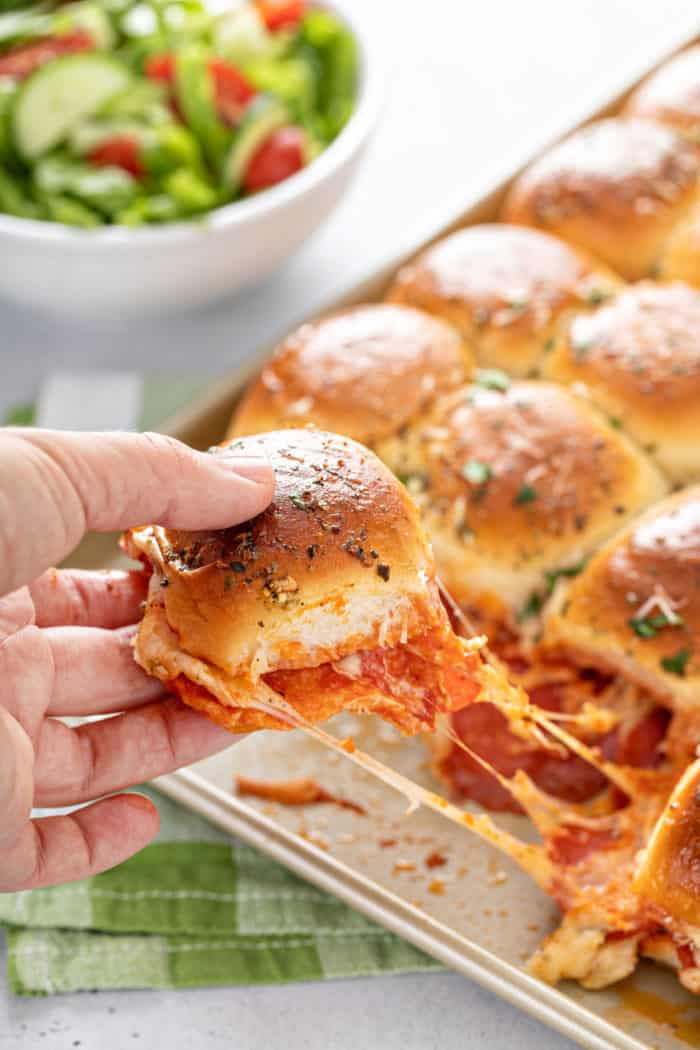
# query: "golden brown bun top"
{"points": [[614, 188], [669, 870], [658, 555], [363, 372], [500, 281], [525, 469], [671, 95], [644, 346], [661, 551], [336, 561]]}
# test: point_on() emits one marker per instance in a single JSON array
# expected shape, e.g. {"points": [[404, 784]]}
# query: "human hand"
{"points": [[65, 641]]}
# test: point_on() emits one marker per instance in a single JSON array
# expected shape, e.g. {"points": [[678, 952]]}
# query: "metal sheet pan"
{"points": [[476, 912]]}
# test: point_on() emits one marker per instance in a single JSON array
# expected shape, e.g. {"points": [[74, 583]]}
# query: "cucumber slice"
{"points": [[263, 116], [240, 35], [143, 100], [59, 96]]}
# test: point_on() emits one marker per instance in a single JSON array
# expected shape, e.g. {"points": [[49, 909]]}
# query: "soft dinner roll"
{"points": [[616, 188], [364, 372], [671, 95], [517, 484], [505, 288], [680, 258], [636, 607], [669, 867], [639, 357], [325, 601]]}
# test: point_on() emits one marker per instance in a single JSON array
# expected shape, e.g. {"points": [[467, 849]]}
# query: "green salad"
{"points": [[150, 111]]}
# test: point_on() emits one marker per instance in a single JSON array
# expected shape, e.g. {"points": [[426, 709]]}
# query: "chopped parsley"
{"points": [[677, 663], [556, 574], [301, 503], [384, 571], [476, 472], [492, 379], [22, 415], [527, 494], [616, 422], [531, 608], [596, 296], [581, 347], [237, 566], [649, 626]]}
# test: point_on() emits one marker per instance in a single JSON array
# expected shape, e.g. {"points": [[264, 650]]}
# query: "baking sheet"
{"points": [[477, 913]]}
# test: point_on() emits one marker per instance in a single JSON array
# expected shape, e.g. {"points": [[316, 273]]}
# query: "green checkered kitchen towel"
{"points": [[193, 909]]}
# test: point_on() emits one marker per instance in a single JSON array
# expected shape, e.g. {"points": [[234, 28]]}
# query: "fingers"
{"points": [[70, 671], [63, 483], [16, 777], [94, 672], [71, 597], [76, 764], [60, 849]]}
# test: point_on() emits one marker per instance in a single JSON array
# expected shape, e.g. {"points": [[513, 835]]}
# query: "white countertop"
{"points": [[472, 89]]}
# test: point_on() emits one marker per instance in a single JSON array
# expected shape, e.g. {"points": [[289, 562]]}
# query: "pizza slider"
{"points": [[363, 372], [505, 288], [517, 485], [668, 872], [616, 188], [635, 610], [639, 358], [326, 601]]}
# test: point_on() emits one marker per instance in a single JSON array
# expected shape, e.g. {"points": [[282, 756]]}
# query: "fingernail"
{"points": [[254, 468]]}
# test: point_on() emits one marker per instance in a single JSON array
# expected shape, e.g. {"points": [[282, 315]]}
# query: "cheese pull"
{"points": [[669, 868]]}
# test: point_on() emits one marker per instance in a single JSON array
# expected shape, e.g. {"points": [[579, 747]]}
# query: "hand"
{"points": [[65, 643]]}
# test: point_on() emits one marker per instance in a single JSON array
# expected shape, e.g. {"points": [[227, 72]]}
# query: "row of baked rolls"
{"points": [[506, 289], [626, 188], [516, 480], [528, 304]]}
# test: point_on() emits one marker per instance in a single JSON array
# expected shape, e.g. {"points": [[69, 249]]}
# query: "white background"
{"points": [[473, 89]]}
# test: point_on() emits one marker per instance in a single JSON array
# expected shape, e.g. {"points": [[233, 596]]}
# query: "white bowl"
{"points": [[115, 270]]}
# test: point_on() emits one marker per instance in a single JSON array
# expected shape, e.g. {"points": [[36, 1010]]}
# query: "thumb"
{"points": [[55, 485]]}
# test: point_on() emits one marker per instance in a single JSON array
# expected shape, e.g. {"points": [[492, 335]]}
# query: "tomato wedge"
{"points": [[122, 151], [21, 61], [279, 156], [160, 67], [232, 90], [278, 14]]}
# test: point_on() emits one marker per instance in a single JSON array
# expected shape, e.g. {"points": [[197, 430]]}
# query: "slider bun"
{"points": [[658, 554], [363, 372], [680, 258], [516, 484], [615, 188], [639, 357], [337, 562], [505, 288], [671, 95], [668, 873]]}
